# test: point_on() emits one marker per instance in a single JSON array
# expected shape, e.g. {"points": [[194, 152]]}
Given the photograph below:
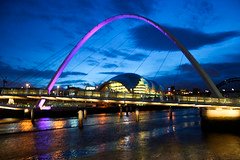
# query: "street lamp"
{"points": [[27, 85], [58, 90]]}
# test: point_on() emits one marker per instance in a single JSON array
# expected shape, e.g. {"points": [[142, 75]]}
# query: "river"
{"points": [[109, 136]]}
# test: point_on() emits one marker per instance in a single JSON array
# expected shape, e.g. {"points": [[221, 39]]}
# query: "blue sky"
{"points": [[36, 36]]}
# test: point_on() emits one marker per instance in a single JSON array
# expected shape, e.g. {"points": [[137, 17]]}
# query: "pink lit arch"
{"points": [[188, 55]]}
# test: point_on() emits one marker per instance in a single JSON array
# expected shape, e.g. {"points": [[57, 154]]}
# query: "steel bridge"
{"points": [[96, 98]]}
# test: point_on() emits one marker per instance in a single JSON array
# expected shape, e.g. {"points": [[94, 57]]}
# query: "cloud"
{"points": [[92, 62], [147, 37], [69, 82], [26, 75], [195, 8], [48, 46], [109, 65], [215, 70], [233, 57], [137, 57], [139, 6], [65, 74], [113, 53], [111, 73], [185, 76], [63, 30]]}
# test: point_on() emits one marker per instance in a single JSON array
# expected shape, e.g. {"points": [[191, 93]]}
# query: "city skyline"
{"points": [[37, 36]]}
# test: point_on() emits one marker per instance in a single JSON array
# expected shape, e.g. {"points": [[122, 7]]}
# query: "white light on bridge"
{"points": [[26, 110]]}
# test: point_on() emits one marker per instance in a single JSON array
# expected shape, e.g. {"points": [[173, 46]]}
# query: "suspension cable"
{"points": [[143, 61], [161, 64], [179, 71]]}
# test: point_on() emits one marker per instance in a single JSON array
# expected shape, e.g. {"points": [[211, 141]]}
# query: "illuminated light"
{"points": [[10, 101], [222, 114], [232, 89], [64, 98], [41, 102], [45, 107], [26, 110], [58, 124], [27, 85], [11, 108], [25, 126], [223, 90]]}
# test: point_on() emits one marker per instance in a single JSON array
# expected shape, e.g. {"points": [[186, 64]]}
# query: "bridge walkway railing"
{"points": [[158, 97]]}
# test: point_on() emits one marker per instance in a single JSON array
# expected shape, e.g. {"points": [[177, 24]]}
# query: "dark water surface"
{"points": [[107, 136]]}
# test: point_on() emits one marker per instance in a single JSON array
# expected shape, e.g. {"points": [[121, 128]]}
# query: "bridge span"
{"points": [[105, 98], [210, 108]]}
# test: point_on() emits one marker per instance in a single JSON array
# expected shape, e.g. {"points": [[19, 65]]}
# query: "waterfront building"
{"points": [[131, 83]]}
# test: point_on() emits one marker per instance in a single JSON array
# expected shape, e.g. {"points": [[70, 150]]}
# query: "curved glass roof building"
{"points": [[131, 83]]}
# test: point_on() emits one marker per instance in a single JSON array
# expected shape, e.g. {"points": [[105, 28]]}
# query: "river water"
{"points": [[109, 136]]}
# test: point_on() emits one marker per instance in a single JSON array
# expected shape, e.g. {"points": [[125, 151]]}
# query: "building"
{"points": [[131, 83]]}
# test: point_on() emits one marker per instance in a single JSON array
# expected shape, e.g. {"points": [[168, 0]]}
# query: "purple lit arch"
{"points": [[188, 55]]}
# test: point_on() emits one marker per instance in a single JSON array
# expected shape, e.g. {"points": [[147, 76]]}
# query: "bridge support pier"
{"points": [[200, 112], [32, 115], [170, 113], [137, 114], [120, 110], [85, 113], [80, 119], [126, 110]]}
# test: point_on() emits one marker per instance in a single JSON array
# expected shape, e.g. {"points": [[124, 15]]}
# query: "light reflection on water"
{"points": [[40, 124], [107, 133], [126, 143]]}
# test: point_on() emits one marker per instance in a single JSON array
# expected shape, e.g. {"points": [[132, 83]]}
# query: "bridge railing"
{"points": [[209, 100], [158, 97]]}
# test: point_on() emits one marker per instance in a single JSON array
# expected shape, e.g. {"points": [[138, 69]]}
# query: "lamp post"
{"points": [[58, 87], [27, 85]]}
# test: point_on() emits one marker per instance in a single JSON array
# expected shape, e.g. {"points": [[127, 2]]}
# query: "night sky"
{"points": [[36, 36]]}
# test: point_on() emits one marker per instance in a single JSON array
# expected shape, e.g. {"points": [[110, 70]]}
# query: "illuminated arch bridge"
{"points": [[181, 47]]}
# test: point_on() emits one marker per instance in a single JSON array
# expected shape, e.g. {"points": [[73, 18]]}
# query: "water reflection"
{"points": [[92, 120], [154, 137], [25, 126]]}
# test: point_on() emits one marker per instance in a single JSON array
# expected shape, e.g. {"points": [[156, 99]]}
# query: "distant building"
{"points": [[131, 83], [33, 91], [230, 87]]}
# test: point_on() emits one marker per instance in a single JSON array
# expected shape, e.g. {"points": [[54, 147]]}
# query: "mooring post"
{"points": [[85, 113], [32, 115], [137, 114], [80, 119], [120, 110], [170, 113], [200, 111], [126, 110]]}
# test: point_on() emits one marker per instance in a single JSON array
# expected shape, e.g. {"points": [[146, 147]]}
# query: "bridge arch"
{"points": [[187, 54]]}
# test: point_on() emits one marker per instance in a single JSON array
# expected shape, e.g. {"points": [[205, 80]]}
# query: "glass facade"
{"points": [[131, 83]]}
